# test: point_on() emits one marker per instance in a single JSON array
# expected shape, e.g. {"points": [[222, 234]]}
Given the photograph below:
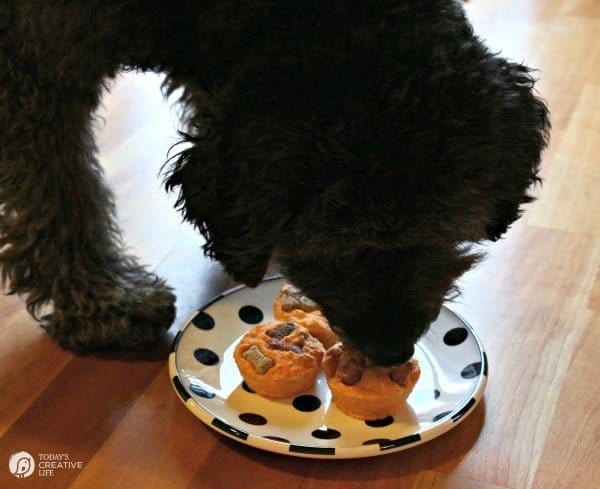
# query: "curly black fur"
{"points": [[362, 146]]}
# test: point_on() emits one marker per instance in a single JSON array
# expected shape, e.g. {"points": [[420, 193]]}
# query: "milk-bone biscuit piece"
{"points": [[366, 392], [292, 305], [293, 298], [261, 363], [279, 359]]}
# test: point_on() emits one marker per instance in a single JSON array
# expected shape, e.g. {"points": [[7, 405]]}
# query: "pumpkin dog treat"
{"points": [[279, 359], [292, 305], [367, 392]]}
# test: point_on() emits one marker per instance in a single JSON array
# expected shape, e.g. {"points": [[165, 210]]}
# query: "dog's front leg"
{"points": [[59, 241]]}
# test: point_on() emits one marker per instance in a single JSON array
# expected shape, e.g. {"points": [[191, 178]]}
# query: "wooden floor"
{"points": [[535, 303]]}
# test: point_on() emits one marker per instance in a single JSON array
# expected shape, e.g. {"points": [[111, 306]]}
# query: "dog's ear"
{"points": [[240, 204]]}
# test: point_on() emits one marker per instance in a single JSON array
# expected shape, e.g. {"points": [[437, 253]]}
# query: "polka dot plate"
{"points": [[206, 379]]}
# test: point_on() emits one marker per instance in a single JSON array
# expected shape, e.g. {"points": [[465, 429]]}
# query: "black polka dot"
{"points": [[253, 418], [277, 438], [380, 423], [206, 356], [437, 417], [247, 388], [307, 403], [455, 336], [251, 314], [436, 394], [375, 441], [203, 321], [471, 371], [196, 389], [326, 434]]}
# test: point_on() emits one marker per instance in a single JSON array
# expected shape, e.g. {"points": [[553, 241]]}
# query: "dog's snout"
{"points": [[386, 357]]}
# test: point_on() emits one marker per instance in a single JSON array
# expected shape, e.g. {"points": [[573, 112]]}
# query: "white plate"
{"points": [[206, 379]]}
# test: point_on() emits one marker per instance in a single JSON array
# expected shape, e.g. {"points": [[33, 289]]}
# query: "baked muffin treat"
{"points": [[292, 305], [367, 392], [279, 359]]}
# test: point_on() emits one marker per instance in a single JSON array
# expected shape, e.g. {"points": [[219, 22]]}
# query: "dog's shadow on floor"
{"points": [[158, 352], [447, 450]]}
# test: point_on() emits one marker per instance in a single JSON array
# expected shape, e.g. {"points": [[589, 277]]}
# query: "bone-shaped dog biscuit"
{"points": [[258, 360], [293, 298]]}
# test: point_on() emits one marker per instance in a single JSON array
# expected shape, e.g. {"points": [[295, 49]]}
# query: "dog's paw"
{"points": [[134, 317]]}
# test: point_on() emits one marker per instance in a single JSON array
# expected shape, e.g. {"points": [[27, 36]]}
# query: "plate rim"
{"points": [[436, 429]]}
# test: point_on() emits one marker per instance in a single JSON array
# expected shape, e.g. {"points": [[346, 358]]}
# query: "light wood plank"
{"points": [[567, 58], [528, 303], [570, 197], [572, 449], [9, 303], [508, 11], [582, 8], [594, 302], [437, 480]]}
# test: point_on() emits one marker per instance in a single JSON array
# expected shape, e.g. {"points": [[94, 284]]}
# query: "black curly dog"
{"points": [[361, 146]]}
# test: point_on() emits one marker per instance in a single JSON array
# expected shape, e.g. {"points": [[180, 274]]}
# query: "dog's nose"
{"points": [[389, 358]]}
